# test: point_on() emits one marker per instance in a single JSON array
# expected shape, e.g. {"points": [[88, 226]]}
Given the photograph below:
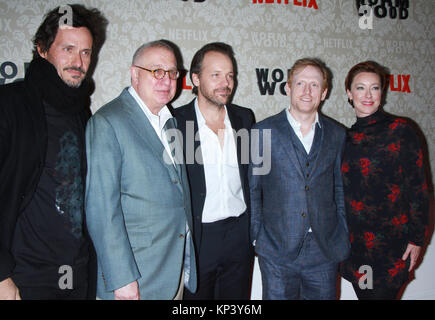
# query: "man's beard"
{"points": [[72, 84], [211, 97]]}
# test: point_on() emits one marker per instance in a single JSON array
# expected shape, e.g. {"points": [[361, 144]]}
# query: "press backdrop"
{"points": [[267, 37]]}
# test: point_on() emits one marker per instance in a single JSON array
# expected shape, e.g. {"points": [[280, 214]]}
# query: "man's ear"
{"points": [[42, 53], [195, 79], [134, 75], [287, 89], [324, 93]]}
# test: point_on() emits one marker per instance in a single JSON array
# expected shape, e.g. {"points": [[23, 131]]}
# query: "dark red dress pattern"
{"points": [[386, 197]]}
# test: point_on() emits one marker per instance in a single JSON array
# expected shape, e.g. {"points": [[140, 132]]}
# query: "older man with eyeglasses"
{"points": [[137, 197]]}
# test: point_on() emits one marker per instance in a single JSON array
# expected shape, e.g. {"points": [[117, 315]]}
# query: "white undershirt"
{"points": [[224, 196]]}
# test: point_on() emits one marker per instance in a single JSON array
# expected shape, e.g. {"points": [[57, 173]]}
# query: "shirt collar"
{"points": [[201, 120], [296, 124], [161, 118]]}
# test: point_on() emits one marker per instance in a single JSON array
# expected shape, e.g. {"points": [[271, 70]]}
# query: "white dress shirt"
{"points": [[224, 197], [157, 121], [307, 140]]}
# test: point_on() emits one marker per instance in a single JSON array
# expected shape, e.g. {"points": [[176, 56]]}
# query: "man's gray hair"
{"points": [[152, 44]]}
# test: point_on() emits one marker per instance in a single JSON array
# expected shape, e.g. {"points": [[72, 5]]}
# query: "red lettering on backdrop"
{"points": [[301, 3], [313, 4], [400, 88], [406, 83], [399, 83], [185, 86]]}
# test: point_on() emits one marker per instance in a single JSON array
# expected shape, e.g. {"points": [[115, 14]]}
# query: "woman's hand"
{"points": [[414, 251]]}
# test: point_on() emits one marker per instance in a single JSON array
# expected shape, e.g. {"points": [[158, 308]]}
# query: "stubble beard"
{"points": [[71, 83], [211, 97]]}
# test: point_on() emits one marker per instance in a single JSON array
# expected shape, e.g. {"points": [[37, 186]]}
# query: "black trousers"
{"points": [[225, 261]]}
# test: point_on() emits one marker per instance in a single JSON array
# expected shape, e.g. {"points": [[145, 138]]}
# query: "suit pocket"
{"points": [[140, 239]]}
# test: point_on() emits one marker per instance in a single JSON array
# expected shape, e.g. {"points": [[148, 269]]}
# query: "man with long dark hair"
{"points": [[45, 252]]}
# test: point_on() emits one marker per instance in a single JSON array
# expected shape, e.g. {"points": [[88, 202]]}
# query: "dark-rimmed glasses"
{"points": [[160, 73]]}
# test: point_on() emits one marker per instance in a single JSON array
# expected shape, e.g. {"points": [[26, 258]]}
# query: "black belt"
{"points": [[223, 222]]}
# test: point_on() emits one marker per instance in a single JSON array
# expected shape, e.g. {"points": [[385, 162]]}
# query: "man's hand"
{"points": [[128, 292], [414, 251], [8, 290]]}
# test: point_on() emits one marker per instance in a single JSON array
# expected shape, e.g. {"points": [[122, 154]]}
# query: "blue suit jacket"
{"points": [[137, 206], [283, 198]]}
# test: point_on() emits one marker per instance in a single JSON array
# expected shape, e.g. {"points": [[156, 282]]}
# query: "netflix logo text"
{"points": [[300, 3]]}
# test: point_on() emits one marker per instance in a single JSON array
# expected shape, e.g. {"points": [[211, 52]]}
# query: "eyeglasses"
{"points": [[160, 73]]}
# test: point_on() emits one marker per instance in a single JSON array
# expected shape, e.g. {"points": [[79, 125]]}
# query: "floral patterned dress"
{"points": [[386, 197]]}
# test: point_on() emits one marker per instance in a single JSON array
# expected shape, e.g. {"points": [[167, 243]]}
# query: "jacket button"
{"points": [[303, 214], [181, 236], [307, 188]]}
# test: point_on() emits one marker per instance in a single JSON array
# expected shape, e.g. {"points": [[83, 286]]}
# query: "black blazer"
{"points": [[23, 142], [240, 118]]}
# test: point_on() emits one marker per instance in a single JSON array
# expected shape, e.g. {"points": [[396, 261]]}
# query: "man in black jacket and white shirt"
{"points": [[219, 177], [45, 252]]}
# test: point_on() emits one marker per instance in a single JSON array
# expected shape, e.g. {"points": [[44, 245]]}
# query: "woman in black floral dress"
{"points": [[385, 190]]}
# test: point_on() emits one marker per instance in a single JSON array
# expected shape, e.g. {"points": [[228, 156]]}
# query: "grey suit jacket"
{"points": [[282, 199], [137, 205]]}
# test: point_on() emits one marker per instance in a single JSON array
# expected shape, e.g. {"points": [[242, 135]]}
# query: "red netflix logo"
{"points": [[300, 3], [402, 81]]}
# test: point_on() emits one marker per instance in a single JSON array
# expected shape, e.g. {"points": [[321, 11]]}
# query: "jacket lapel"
{"points": [[177, 147], [196, 168], [283, 133], [237, 124], [140, 123], [322, 135]]}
